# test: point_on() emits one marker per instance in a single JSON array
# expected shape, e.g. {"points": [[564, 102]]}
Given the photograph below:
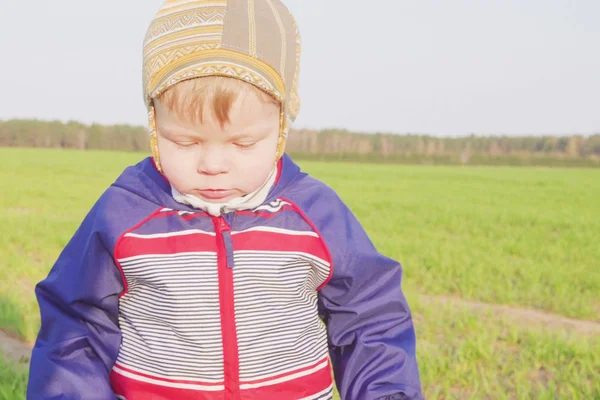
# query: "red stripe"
{"points": [[196, 242], [274, 377], [304, 386], [117, 250], [231, 362], [195, 215], [325, 249], [271, 241], [166, 214], [132, 389], [167, 380]]}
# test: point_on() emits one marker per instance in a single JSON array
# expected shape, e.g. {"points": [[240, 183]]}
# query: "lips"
{"points": [[216, 194]]}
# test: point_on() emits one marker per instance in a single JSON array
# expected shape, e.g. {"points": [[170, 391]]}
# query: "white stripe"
{"points": [[191, 296], [277, 230], [173, 267], [285, 371], [272, 367], [172, 256], [167, 384], [180, 356], [285, 378], [170, 234], [180, 316], [242, 253], [213, 347], [273, 207], [184, 263], [210, 369], [190, 255]]}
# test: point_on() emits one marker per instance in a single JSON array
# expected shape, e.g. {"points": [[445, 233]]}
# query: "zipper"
{"points": [[225, 230], [225, 264]]}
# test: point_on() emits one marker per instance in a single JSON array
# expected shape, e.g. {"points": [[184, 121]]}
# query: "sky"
{"points": [[421, 66]]}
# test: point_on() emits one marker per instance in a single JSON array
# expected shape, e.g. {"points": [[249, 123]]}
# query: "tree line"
{"points": [[333, 144]]}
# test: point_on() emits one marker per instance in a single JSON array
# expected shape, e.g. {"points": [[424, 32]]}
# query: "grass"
{"points": [[13, 384], [463, 355], [526, 237]]}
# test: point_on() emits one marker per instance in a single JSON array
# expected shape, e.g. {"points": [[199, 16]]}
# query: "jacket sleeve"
{"points": [[79, 338], [371, 332]]}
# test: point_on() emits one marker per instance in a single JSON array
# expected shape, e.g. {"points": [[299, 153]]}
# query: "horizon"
{"points": [[339, 129]]}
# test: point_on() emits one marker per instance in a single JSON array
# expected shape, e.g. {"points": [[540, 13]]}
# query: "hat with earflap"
{"points": [[256, 41]]}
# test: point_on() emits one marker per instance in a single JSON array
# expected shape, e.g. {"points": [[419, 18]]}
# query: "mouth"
{"points": [[216, 194]]}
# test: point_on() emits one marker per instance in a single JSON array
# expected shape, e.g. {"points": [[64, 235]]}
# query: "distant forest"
{"points": [[333, 144]]}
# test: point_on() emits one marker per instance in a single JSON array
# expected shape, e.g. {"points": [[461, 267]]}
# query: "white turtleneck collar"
{"points": [[247, 202]]}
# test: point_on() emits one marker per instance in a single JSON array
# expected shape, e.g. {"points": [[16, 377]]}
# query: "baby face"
{"points": [[215, 162]]}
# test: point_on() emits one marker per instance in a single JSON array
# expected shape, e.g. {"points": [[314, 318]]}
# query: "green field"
{"points": [[525, 237], [12, 384]]}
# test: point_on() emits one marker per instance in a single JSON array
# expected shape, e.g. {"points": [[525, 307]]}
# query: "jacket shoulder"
{"points": [[326, 211], [116, 211]]}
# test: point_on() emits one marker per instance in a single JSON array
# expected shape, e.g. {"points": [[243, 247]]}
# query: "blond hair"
{"points": [[188, 98]]}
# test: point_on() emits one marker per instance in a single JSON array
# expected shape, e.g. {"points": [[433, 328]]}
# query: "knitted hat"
{"points": [[256, 41]]}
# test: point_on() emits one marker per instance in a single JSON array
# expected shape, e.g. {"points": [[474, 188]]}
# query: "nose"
{"points": [[213, 162]]}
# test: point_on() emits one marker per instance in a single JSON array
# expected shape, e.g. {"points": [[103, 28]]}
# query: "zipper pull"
{"points": [[223, 226], [225, 231]]}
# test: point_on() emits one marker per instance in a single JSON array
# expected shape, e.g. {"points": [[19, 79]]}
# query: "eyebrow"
{"points": [[256, 134], [169, 132], [248, 135]]}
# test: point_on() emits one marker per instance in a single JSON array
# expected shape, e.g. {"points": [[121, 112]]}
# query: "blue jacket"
{"points": [[152, 299]]}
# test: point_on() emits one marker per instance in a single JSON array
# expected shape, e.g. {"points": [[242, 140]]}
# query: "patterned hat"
{"points": [[256, 41]]}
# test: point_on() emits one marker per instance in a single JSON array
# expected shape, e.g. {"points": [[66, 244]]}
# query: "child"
{"points": [[204, 271]]}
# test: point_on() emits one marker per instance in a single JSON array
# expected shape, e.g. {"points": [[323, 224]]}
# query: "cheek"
{"points": [[176, 166], [263, 157], [260, 162]]}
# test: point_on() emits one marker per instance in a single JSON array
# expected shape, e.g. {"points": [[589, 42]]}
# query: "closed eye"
{"points": [[245, 146], [186, 145]]}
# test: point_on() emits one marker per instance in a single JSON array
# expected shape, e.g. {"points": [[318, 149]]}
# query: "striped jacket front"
{"points": [[208, 297], [152, 299]]}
